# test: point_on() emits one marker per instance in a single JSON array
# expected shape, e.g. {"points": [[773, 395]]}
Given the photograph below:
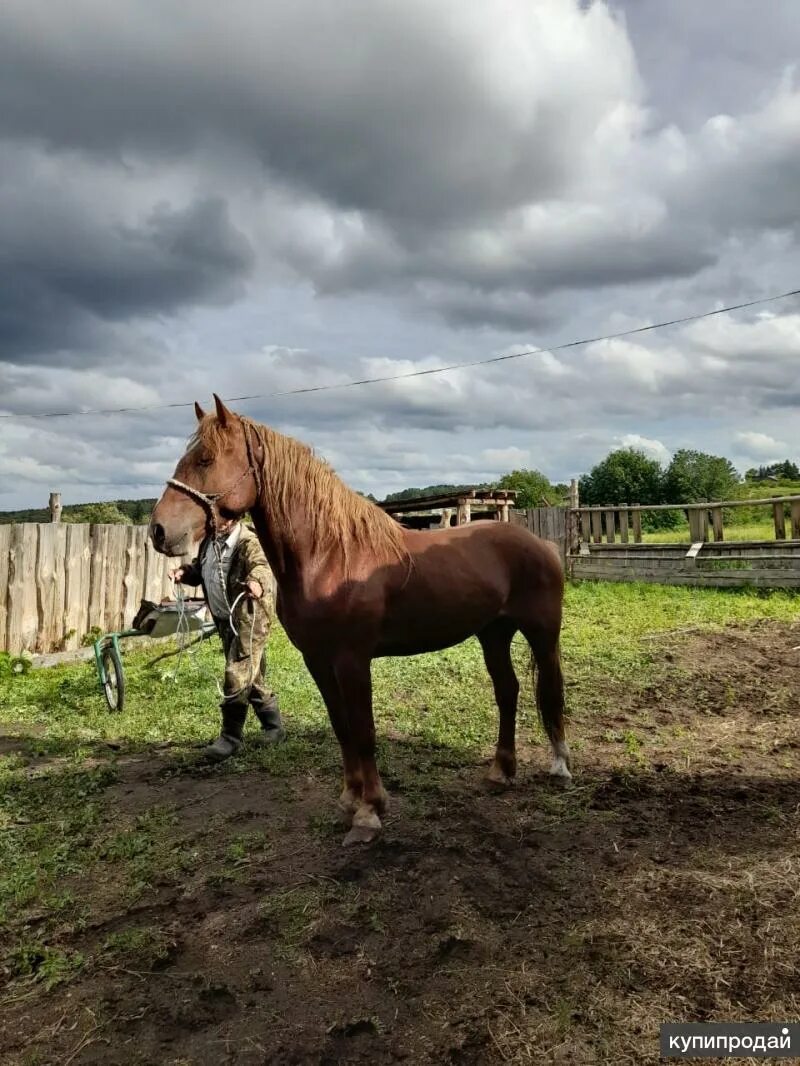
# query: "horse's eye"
{"points": [[205, 461]]}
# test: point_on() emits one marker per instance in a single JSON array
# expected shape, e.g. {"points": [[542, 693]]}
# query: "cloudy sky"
{"points": [[251, 198]]}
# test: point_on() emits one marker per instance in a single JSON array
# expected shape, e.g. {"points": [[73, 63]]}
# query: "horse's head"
{"points": [[216, 477]]}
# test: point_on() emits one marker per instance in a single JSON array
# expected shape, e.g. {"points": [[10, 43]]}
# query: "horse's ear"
{"points": [[224, 416], [198, 410]]}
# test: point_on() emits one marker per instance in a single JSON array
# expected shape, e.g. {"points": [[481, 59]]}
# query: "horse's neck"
{"points": [[289, 558]]}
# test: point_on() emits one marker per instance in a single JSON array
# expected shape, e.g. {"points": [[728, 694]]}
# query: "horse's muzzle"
{"points": [[158, 535]]}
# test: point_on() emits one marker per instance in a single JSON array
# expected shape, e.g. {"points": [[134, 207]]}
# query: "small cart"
{"points": [[152, 620]]}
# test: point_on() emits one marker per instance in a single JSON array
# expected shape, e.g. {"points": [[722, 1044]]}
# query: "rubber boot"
{"points": [[272, 730], [230, 741]]}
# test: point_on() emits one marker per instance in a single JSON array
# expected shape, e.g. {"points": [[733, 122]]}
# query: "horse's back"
{"points": [[505, 547]]}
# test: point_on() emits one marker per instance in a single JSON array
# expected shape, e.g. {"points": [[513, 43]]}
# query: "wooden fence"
{"points": [[610, 546], [556, 524], [59, 581]]}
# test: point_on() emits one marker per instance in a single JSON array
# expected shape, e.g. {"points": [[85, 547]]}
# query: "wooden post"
{"points": [[504, 514], [446, 515], [464, 511], [698, 525], [637, 526], [586, 529], [55, 506], [597, 527], [573, 495], [610, 523], [623, 523], [716, 521], [796, 520], [780, 521], [573, 531]]}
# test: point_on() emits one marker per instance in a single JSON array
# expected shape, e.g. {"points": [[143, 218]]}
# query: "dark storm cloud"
{"points": [[415, 110], [472, 163], [68, 278]]}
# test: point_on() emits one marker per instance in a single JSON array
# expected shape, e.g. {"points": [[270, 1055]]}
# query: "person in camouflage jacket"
{"points": [[233, 573]]}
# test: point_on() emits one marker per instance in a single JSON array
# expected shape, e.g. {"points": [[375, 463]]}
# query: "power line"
{"points": [[419, 373]]}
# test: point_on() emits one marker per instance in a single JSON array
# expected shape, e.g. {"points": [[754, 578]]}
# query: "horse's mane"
{"points": [[334, 516]]}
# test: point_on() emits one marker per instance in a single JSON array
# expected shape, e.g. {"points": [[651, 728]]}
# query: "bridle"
{"points": [[208, 500]]}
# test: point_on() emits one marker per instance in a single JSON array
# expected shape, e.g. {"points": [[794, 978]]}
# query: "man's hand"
{"points": [[254, 589], [177, 575]]}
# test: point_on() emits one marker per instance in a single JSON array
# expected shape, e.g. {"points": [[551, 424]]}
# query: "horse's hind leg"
{"points": [[550, 695], [496, 644]]}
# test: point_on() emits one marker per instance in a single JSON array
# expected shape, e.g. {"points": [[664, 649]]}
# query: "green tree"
{"points": [[786, 471], [624, 476], [533, 489], [694, 477], [97, 513]]}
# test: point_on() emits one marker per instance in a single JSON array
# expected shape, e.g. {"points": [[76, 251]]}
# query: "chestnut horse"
{"points": [[353, 585]]}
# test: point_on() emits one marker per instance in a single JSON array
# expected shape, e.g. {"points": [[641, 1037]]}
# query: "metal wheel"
{"points": [[114, 684], [20, 665]]}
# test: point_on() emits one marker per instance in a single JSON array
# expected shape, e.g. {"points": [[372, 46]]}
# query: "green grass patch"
{"points": [[34, 962], [137, 948], [735, 532]]}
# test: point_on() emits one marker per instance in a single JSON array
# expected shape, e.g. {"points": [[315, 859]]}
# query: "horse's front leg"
{"points": [[355, 686], [322, 672]]}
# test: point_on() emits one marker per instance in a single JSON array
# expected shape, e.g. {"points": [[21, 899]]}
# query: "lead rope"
{"points": [[182, 631], [231, 609]]}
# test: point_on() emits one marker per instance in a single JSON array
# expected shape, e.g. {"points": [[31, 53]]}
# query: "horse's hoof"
{"points": [[497, 778], [360, 834], [366, 826], [559, 771]]}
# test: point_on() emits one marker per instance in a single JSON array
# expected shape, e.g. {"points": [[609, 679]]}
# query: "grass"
{"points": [[733, 533], [64, 843]]}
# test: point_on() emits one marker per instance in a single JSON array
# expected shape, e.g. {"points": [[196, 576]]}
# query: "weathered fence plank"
{"points": [[23, 620], [637, 527], [779, 516], [133, 573], [553, 524], [98, 552], [609, 518], [586, 528], [50, 585], [623, 524], [76, 585], [115, 572], [597, 529], [716, 520], [5, 547], [698, 526]]}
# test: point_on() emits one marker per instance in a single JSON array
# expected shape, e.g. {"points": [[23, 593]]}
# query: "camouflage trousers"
{"points": [[245, 683]]}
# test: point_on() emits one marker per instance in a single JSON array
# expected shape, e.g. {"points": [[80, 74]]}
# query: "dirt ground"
{"points": [[537, 925]]}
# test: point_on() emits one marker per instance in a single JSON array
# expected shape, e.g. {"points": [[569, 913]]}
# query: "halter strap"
{"points": [[208, 500]]}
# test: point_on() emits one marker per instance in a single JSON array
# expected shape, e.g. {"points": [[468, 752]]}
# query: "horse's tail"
{"points": [[548, 685]]}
